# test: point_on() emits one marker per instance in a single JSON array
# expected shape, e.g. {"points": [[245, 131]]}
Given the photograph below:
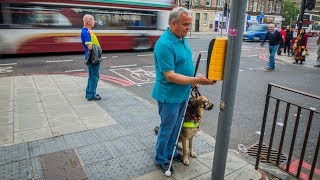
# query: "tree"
{"points": [[291, 11]]}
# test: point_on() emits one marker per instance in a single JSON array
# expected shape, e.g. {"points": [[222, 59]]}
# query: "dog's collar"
{"points": [[191, 124]]}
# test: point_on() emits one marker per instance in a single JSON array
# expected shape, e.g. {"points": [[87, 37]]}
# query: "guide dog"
{"points": [[194, 113]]}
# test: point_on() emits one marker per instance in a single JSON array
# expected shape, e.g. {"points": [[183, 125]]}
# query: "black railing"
{"points": [[311, 112]]}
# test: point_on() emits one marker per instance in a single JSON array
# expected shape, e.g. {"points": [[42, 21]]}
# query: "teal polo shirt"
{"points": [[171, 54]]}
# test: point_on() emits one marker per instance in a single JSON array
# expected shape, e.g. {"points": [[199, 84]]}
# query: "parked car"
{"points": [[256, 32]]}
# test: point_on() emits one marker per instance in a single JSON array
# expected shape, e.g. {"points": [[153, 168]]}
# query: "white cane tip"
{"points": [[168, 173]]}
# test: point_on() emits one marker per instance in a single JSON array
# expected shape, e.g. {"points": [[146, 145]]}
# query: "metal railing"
{"points": [[311, 113]]}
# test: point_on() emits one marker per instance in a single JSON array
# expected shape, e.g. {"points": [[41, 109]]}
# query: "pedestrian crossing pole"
{"points": [[229, 86]]}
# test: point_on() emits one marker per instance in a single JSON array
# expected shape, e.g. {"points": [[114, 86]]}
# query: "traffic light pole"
{"points": [[303, 7], [229, 86]]}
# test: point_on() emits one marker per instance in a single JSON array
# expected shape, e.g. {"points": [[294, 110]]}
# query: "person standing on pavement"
{"points": [[301, 45], [275, 39], [174, 77], [88, 39], [289, 37], [318, 52], [282, 44]]}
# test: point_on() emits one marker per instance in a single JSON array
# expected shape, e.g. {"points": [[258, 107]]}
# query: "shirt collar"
{"points": [[174, 38]]}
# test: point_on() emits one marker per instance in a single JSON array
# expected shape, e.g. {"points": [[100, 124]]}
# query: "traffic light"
{"points": [[225, 9], [310, 4], [187, 4]]}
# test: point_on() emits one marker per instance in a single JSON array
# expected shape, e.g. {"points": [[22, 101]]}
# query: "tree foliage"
{"points": [[290, 10]]}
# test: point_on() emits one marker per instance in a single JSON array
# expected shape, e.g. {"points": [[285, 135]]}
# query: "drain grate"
{"points": [[253, 150]]}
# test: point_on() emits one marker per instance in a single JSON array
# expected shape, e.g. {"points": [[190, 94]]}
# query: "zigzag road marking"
{"points": [[119, 81], [266, 58]]}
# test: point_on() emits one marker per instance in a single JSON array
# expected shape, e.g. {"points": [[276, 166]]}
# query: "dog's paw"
{"points": [[180, 147], [193, 154], [186, 162]]}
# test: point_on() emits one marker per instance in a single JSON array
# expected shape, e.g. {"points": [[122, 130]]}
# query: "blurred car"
{"points": [[256, 32]]}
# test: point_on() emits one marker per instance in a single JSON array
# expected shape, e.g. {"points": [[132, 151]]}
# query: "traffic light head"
{"points": [[311, 4], [225, 9], [187, 4]]}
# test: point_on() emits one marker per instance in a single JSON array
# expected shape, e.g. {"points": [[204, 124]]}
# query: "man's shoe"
{"points": [[317, 65], [97, 95], [178, 157], [164, 167], [95, 98], [268, 69]]}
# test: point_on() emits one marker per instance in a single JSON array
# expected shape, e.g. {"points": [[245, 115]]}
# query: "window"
{"points": [[207, 2], [205, 18], [255, 4], [278, 8], [196, 2], [218, 2], [270, 7], [262, 7]]}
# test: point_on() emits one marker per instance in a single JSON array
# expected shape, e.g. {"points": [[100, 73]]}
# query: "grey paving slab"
{"points": [[195, 169], [57, 110], [124, 146], [94, 153], [106, 170], [48, 145], [28, 122], [26, 100], [98, 122], [81, 138], [13, 153], [49, 91], [206, 176], [137, 126], [22, 110], [6, 118], [32, 135], [111, 132], [247, 172], [155, 175], [66, 125], [25, 91], [201, 146], [89, 110], [37, 168], [16, 170], [148, 139], [78, 100], [6, 134], [53, 99], [140, 163], [6, 105], [109, 106]]}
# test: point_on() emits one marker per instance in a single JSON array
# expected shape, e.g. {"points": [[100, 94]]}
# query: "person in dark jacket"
{"points": [[275, 39], [301, 46], [289, 37]]}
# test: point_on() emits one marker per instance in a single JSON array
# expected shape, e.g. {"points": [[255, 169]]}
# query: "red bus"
{"points": [[42, 26]]}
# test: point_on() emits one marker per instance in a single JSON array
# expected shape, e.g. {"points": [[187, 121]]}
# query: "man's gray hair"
{"points": [[176, 13]]}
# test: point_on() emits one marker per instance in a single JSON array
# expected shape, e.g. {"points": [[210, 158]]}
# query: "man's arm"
{"points": [[176, 78], [265, 38]]}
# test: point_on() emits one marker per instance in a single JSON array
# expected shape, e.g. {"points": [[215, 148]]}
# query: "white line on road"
{"points": [[312, 108], [240, 70], [259, 132], [203, 51], [145, 55], [280, 124], [123, 66], [253, 55], [75, 70], [9, 64], [59, 61]]}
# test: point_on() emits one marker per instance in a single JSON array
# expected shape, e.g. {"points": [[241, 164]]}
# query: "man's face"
{"points": [[288, 27], [91, 22], [180, 28], [271, 28]]}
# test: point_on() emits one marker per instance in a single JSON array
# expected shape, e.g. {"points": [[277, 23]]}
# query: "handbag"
{"points": [[303, 53]]}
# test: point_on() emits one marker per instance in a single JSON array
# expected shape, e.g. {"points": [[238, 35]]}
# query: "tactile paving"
{"points": [[111, 132], [16, 170], [45, 146], [81, 138], [62, 165], [124, 146], [94, 153], [148, 139], [140, 163], [37, 169], [106, 170], [139, 126], [14, 153]]}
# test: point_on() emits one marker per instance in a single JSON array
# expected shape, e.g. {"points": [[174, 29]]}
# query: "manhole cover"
{"points": [[62, 165], [253, 150]]}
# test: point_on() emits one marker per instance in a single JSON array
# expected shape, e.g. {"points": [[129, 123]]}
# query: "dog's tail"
{"points": [[156, 129]]}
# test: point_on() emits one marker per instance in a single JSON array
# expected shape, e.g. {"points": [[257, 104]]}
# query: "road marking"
{"points": [[6, 69], [203, 51], [59, 61], [114, 56], [240, 70], [141, 55], [280, 124], [251, 68], [258, 132], [294, 167], [9, 64], [312, 108], [122, 76], [123, 66], [253, 55], [74, 70]]}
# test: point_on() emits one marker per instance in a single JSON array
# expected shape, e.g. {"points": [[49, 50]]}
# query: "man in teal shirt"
{"points": [[174, 77]]}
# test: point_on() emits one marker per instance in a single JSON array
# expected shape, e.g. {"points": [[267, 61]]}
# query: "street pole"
{"points": [[303, 5], [229, 86]]}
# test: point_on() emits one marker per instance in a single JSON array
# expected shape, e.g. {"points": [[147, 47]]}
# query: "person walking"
{"points": [[301, 45], [174, 77], [89, 39], [275, 39], [289, 37], [282, 44], [318, 52]]}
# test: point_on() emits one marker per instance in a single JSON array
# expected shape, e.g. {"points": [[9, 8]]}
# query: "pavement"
{"points": [[48, 130], [311, 58]]}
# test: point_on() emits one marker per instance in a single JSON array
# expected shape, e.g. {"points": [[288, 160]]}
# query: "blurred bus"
{"points": [[311, 24], [42, 26]]}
